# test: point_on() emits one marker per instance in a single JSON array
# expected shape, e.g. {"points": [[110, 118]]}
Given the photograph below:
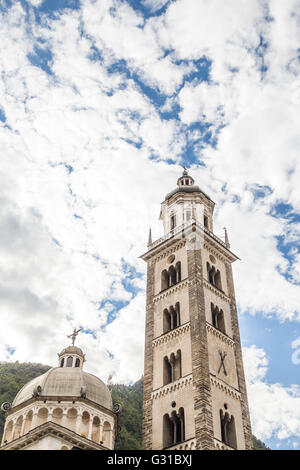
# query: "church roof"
{"points": [[72, 350], [66, 382], [186, 189]]}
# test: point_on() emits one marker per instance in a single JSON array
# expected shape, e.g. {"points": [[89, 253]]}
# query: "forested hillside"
{"points": [[13, 375]]}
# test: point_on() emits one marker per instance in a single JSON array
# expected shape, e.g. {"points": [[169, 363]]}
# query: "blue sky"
{"points": [[101, 102]]}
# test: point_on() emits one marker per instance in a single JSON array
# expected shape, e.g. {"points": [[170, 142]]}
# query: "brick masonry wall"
{"points": [[148, 368], [201, 378], [239, 360]]}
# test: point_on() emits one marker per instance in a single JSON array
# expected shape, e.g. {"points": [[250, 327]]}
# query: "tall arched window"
{"points": [[214, 276], [173, 428], [172, 368], [178, 271], [166, 321], [165, 279], [171, 318], [172, 221], [218, 318], [228, 433], [167, 371], [62, 362], [77, 362], [69, 361]]}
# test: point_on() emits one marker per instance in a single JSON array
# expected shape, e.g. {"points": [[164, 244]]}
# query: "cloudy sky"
{"points": [[101, 101]]}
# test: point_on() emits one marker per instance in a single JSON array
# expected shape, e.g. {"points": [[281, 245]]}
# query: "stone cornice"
{"points": [[189, 444], [170, 290], [219, 445], [222, 336], [225, 387], [54, 429], [216, 291], [163, 250], [173, 386], [60, 401], [166, 337]]}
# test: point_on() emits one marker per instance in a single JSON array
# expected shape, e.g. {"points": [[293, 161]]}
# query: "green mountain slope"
{"points": [[13, 375]]}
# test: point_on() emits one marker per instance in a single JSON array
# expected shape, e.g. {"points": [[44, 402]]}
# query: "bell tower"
{"points": [[194, 386]]}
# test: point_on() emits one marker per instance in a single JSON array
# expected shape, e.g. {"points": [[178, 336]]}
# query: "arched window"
{"points": [[172, 221], [214, 276], [168, 431], [165, 279], [218, 318], [8, 431], [177, 366], [178, 271], [171, 318], [70, 361], [18, 428], [218, 280], [177, 310], [172, 368], [166, 321], [106, 434], [28, 422], [173, 276], [62, 362], [205, 220], [228, 433], [77, 362], [173, 428], [167, 371], [96, 429]]}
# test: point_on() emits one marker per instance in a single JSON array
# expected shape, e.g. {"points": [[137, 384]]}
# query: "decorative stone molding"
{"points": [[186, 445], [171, 290], [54, 429], [162, 251], [218, 334], [216, 291], [219, 445], [173, 387], [166, 337], [232, 392], [212, 250]]}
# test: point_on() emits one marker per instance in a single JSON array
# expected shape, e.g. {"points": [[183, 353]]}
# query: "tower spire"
{"points": [[150, 237], [226, 238]]}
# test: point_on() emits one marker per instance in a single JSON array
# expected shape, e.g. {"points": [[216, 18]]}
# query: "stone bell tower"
{"points": [[194, 386]]}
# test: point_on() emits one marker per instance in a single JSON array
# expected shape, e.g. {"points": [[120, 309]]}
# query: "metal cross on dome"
{"points": [[74, 335]]}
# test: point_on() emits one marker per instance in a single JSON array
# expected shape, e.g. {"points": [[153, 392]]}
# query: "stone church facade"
{"points": [[194, 386]]}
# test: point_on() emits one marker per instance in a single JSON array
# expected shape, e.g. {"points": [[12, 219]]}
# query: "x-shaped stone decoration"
{"points": [[222, 364]]}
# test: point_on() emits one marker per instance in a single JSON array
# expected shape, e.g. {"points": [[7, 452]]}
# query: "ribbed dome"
{"points": [[67, 382], [186, 189], [72, 350]]}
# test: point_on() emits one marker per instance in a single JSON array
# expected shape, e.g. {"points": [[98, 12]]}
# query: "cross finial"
{"points": [[73, 335], [184, 170]]}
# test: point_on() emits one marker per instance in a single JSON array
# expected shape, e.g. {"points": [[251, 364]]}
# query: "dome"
{"points": [[72, 350], [186, 189], [66, 382], [186, 184]]}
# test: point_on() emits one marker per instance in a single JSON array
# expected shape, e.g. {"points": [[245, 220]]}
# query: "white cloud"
{"points": [[55, 264], [274, 409]]}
